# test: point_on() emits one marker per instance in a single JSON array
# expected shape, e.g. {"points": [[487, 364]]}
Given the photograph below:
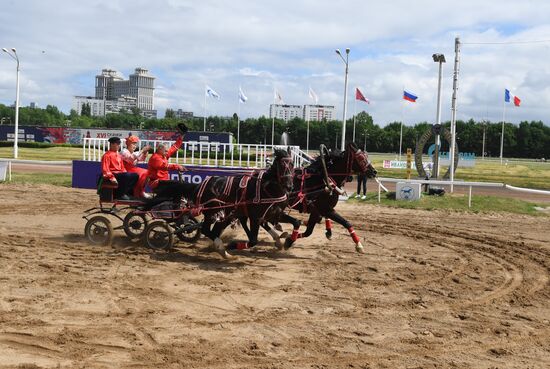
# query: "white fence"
{"points": [[458, 183], [210, 154]]}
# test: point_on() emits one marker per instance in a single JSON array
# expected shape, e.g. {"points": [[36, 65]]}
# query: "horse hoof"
{"points": [[359, 248], [278, 227], [288, 243], [280, 245], [328, 234]]}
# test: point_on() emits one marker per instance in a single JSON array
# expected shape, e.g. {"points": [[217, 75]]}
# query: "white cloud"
{"points": [[287, 44]]}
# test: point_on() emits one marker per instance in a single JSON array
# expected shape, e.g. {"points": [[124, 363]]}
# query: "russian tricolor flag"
{"points": [[508, 96], [409, 97]]}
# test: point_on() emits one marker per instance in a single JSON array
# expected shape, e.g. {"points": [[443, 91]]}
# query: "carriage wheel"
{"points": [[134, 225], [192, 235], [99, 231], [158, 235]]}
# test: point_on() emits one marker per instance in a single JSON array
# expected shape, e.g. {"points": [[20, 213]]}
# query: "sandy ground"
{"points": [[434, 290]]}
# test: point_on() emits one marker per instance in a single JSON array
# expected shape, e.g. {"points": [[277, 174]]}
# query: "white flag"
{"points": [[210, 92], [277, 96], [313, 95], [242, 96]]}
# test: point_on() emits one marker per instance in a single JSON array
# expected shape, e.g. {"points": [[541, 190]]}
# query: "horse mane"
{"points": [[316, 164]]}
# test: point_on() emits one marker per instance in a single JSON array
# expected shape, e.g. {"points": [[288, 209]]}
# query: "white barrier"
{"points": [[458, 183], [529, 190], [200, 153], [441, 183]]}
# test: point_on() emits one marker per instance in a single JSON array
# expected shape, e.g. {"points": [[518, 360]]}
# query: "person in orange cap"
{"points": [[130, 158]]}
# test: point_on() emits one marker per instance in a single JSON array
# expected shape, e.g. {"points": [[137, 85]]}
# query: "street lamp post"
{"points": [[438, 58], [15, 57], [346, 62]]}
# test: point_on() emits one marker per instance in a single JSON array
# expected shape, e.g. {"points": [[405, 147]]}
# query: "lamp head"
{"points": [[4, 50], [14, 51], [347, 50], [438, 58], [337, 51]]}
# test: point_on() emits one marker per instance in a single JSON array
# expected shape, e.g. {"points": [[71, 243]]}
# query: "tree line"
{"points": [[526, 140]]}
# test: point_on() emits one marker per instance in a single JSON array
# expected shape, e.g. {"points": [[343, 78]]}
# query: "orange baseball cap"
{"points": [[132, 139]]}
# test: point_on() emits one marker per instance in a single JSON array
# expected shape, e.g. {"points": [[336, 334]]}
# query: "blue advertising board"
{"points": [[86, 173]]}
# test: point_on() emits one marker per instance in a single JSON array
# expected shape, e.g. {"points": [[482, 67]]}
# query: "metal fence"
{"points": [[209, 154]]}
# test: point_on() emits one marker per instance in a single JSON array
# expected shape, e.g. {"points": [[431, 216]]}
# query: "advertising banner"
{"points": [[86, 173], [61, 135]]}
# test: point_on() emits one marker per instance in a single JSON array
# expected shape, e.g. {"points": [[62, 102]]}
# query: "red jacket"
{"points": [[111, 163], [158, 166]]}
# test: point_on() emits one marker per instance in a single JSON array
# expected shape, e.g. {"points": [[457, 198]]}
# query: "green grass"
{"points": [[529, 174], [456, 202], [54, 153], [56, 179]]}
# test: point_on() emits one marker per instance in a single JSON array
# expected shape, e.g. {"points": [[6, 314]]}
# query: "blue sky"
{"points": [[288, 45]]}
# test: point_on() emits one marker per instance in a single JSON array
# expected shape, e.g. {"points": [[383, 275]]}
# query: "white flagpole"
{"points": [[273, 119], [239, 118], [354, 113], [307, 136], [204, 122], [502, 133], [401, 135]]}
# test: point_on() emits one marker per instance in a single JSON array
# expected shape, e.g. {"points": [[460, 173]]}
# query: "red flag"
{"points": [[360, 96], [517, 101]]}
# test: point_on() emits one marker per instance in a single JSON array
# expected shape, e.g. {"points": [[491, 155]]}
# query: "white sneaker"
{"points": [[357, 196], [147, 195], [364, 197]]}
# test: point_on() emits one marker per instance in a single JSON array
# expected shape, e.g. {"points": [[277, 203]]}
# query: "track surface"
{"points": [[434, 290]]}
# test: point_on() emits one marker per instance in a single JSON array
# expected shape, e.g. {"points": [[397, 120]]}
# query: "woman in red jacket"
{"points": [[131, 158]]}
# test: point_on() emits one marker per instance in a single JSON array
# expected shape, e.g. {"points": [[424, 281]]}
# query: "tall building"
{"points": [[181, 114], [96, 105], [285, 112], [318, 112], [117, 93]]}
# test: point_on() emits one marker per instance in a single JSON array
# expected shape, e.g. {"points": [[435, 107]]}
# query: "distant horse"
{"points": [[318, 186], [261, 196]]}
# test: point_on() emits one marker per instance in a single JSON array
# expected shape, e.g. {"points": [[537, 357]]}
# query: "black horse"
{"points": [[317, 188], [260, 197]]}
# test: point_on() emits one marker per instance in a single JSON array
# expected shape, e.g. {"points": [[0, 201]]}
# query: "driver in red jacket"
{"points": [[158, 166]]}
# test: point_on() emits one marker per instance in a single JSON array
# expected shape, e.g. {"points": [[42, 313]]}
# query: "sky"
{"points": [[287, 45]]}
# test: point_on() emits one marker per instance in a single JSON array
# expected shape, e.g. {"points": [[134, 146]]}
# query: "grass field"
{"points": [[457, 202], [46, 153], [57, 179], [522, 173]]}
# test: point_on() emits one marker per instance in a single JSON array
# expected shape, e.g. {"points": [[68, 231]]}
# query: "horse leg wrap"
{"points": [[328, 224], [353, 235], [241, 245], [295, 235]]}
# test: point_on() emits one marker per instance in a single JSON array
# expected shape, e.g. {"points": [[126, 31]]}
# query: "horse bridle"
{"points": [[285, 169]]}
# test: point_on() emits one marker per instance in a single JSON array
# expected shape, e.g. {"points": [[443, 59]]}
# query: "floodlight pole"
{"points": [[453, 111], [346, 62], [438, 58], [14, 56]]}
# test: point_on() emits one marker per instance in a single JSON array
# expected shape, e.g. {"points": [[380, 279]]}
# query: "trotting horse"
{"points": [[261, 196], [317, 187]]}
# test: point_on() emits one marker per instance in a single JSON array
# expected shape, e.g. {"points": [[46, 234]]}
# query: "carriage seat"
{"points": [[106, 189]]}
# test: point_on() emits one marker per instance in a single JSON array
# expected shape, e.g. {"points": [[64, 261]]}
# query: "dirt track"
{"points": [[434, 290]]}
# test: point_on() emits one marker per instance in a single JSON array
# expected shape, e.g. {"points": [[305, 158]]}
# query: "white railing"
{"points": [[210, 154], [458, 183]]}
